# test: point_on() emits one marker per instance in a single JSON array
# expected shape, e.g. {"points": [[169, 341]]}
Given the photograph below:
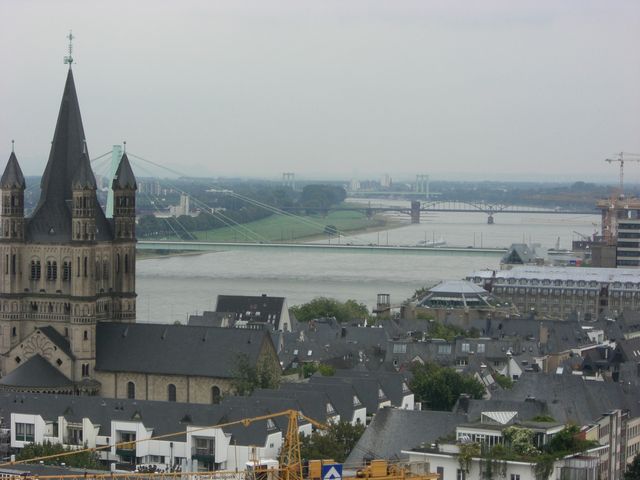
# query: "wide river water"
{"points": [[171, 288]]}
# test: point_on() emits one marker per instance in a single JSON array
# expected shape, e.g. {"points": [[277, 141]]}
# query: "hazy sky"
{"points": [[524, 89]]}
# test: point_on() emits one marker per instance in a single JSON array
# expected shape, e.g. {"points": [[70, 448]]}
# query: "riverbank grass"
{"points": [[278, 228]]}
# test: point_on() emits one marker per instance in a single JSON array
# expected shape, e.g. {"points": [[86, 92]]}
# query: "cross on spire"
{"points": [[69, 58], [13, 144]]}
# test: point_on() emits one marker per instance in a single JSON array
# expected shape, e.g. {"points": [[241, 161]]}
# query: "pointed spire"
{"points": [[84, 178], [12, 176], [124, 179], [66, 149]]}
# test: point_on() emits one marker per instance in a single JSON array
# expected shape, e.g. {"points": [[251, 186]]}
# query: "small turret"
{"points": [[84, 200], [12, 186], [124, 197]]}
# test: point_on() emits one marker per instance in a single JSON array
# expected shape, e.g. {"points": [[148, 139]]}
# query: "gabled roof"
{"points": [[51, 219], [393, 430], [12, 176], [341, 396], [176, 349], [35, 372], [60, 341], [263, 308], [571, 398], [124, 177]]}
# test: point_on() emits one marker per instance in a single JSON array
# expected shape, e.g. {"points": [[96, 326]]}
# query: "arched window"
{"points": [[131, 390], [86, 266], [35, 269], [171, 392], [117, 263], [86, 335], [215, 394], [126, 263], [52, 270], [105, 270], [66, 270]]}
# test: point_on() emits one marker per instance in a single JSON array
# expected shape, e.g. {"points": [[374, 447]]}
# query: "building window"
{"points": [[461, 474], [215, 395], [85, 369], [171, 392], [105, 270], [24, 432], [85, 335], [52, 270], [86, 266], [35, 270], [399, 348], [444, 349], [66, 271], [126, 263], [481, 348], [131, 390], [14, 332], [514, 476], [466, 348], [117, 263]]}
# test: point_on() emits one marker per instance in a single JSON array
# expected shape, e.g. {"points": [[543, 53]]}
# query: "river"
{"points": [[171, 288]]}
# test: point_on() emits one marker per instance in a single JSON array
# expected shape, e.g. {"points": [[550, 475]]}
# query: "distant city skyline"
{"points": [[330, 89]]}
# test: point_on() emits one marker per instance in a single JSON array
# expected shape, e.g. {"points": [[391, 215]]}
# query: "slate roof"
{"points": [[527, 409], [175, 349], [395, 385], [51, 219], [35, 372], [58, 339], [12, 176], [366, 388], [258, 308], [393, 430], [161, 417], [341, 396], [313, 403], [571, 398], [83, 178], [630, 349], [124, 178]]}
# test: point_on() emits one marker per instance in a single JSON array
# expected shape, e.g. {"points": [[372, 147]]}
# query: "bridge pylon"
{"points": [[422, 185]]}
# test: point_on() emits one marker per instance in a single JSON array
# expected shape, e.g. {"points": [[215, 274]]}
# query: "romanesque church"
{"points": [[67, 291]]}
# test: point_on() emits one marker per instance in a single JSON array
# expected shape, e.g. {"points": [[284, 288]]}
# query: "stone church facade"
{"points": [[67, 268]]}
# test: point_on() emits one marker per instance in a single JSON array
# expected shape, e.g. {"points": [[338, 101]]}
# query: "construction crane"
{"points": [[290, 465], [621, 159]]}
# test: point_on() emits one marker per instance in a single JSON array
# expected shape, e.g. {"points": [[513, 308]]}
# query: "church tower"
{"points": [[66, 267]]}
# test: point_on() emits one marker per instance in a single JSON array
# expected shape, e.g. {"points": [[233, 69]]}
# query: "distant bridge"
{"points": [[173, 246], [415, 208]]}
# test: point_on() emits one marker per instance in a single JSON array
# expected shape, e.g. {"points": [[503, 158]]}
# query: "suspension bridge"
{"points": [[182, 239]]}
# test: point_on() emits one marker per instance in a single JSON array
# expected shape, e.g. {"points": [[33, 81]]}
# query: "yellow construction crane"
{"points": [[621, 159], [289, 468]]}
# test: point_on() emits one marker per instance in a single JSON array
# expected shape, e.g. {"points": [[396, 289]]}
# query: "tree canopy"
{"points": [[247, 377], [335, 443], [633, 472], [438, 388], [323, 307], [86, 459]]}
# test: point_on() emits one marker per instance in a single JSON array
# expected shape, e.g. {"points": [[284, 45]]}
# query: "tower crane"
{"points": [[621, 159]]}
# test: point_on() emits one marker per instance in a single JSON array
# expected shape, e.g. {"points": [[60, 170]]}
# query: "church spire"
{"points": [[12, 176]]}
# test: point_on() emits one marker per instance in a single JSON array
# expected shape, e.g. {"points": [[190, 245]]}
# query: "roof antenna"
{"points": [[13, 144], [69, 58]]}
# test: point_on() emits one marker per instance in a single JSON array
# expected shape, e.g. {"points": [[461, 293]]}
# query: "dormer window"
{"points": [[356, 401], [270, 425], [330, 409], [381, 394]]}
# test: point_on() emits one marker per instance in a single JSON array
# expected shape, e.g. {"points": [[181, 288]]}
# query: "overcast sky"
{"points": [[492, 89]]}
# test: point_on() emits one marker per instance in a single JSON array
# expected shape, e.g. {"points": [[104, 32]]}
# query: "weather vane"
{"points": [[69, 58]]}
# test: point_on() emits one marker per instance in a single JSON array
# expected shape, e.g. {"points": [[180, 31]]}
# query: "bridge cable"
{"points": [[228, 222]]}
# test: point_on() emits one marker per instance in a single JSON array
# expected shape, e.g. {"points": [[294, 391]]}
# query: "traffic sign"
{"points": [[332, 471]]}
